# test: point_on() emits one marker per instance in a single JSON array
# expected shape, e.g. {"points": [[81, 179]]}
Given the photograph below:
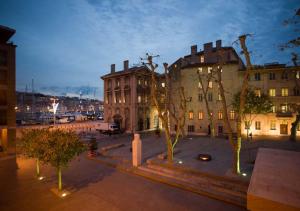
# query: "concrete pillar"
{"points": [[136, 151]]}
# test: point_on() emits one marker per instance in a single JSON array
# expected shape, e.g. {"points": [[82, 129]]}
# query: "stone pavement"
{"points": [[96, 187], [190, 147]]}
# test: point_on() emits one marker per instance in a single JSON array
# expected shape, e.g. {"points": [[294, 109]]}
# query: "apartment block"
{"points": [[7, 89]]}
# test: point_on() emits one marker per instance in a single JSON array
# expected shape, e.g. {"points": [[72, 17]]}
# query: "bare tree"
{"points": [[166, 108], [204, 81]]}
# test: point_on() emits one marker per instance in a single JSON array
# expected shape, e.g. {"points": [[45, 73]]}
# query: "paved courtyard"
{"points": [[190, 147], [96, 187]]}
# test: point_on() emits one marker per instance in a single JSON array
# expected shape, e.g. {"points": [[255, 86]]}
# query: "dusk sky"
{"points": [[73, 42]]}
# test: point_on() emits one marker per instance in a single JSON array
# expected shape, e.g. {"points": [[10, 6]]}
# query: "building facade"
{"points": [[276, 80], [7, 90], [127, 98]]}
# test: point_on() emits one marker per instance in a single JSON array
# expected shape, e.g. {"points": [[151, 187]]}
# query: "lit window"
{"points": [[284, 108], [191, 115], [272, 92], [139, 82], [273, 109], [163, 84], [273, 125], [219, 97], [200, 97], [139, 99], [284, 92], [298, 74], [210, 84], [199, 85], [257, 76], [220, 115], [146, 99], [257, 92], [209, 69], [257, 125], [146, 83], [232, 115], [200, 115], [199, 69], [202, 59]]}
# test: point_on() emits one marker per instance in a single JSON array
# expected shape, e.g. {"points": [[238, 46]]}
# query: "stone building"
{"points": [[279, 82], [184, 72], [276, 80], [7, 89], [127, 98]]}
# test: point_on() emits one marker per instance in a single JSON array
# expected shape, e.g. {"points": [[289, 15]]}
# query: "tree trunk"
{"points": [[37, 167], [293, 136], [236, 157], [59, 178], [170, 154]]}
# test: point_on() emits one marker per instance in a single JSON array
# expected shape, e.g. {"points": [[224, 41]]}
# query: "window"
{"points": [[298, 127], [273, 125], [272, 76], [191, 128], [247, 125], [284, 92], [139, 99], [200, 97], [272, 92], [163, 84], [298, 74], [209, 69], [257, 76], [219, 97], [139, 81], [199, 69], [210, 84], [210, 97], [199, 85], [118, 83], [273, 109], [283, 108], [257, 125], [232, 115], [257, 92], [220, 115], [200, 115], [146, 99], [284, 75], [201, 58], [191, 115], [3, 58], [146, 83]]}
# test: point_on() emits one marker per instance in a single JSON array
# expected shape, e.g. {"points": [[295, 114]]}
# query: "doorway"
{"points": [[283, 129]]}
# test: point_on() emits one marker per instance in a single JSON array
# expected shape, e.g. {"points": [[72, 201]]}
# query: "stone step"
{"points": [[234, 187], [202, 188]]}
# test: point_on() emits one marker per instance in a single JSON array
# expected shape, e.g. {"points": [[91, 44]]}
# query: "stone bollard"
{"points": [[136, 151]]}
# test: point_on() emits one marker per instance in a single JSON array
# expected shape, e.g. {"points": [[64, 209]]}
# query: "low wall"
{"points": [[274, 182], [77, 127]]}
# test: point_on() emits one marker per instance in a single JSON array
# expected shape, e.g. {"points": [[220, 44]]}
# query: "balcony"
{"points": [[284, 114]]}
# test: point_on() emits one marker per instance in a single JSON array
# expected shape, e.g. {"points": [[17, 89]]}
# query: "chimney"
{"points": [[126, 65], [193, 50], [112, 68], [219, 44], [208, 47]]}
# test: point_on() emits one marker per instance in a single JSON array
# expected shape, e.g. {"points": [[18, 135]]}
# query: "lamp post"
{"points": [[54, 105]]}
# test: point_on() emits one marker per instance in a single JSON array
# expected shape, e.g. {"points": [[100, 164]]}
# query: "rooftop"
{"points": [[6, 33]]}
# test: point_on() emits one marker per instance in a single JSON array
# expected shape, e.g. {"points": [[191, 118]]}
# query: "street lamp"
{"points": [[54, 105]]}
